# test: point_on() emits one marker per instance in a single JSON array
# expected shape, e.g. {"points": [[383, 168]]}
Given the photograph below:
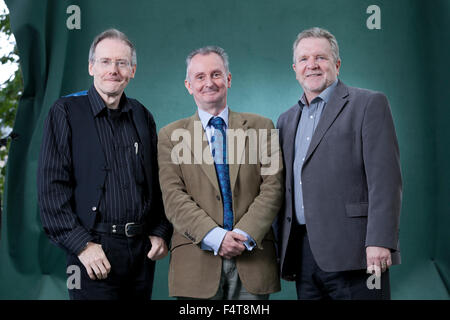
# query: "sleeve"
{"points": [[213, 240], [159, 225], [382, 166], [55, 185]]}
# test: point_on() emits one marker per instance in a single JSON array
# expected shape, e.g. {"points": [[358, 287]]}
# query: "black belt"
{"points": [[129, 229]]}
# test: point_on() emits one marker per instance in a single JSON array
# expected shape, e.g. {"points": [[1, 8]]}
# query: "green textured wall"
{"points": [[407, 59]]}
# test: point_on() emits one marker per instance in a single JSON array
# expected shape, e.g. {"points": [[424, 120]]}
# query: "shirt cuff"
{"points": [[250, 243], [213, 240]]}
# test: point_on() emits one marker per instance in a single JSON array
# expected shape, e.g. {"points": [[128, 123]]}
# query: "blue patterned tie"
{"points": [[219, 153]]}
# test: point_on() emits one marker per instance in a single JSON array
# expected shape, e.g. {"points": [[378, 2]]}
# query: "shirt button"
{"points": [[94, 209], [311, 117], [307, 138], [303, 159], [300, 182]]}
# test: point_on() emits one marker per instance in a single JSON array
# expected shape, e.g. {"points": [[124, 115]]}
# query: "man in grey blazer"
{"points": [[340, 219]]}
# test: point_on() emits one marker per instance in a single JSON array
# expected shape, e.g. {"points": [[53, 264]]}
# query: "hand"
{"points": [[94, 260], [378, 260], [232, 245], [158, 250]]}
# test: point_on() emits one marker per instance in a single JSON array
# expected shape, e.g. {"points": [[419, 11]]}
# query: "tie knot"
{"points": [[217, 122]]}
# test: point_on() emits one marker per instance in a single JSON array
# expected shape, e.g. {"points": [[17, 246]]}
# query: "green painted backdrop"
{"points": [[408, 60]]}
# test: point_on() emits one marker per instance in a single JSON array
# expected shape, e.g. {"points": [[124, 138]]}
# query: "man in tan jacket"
{"points": [[221, 179]]}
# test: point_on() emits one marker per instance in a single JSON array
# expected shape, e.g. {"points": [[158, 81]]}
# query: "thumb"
{"points": [[240, 237], [151, 253]]}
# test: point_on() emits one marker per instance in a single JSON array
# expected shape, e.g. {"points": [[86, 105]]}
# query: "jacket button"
{"points": [[94, 209], [288, 219], [218, 198]]}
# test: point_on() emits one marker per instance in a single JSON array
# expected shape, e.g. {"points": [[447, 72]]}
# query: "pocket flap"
{"points": [[178, 240], [357, 209]]}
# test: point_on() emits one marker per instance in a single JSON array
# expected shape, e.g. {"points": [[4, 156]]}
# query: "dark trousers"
{"points": [[316, 284], [131, 275]]}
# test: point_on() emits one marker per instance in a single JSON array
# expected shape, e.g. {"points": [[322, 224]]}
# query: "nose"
{"points": [[311, 63], [113, 67], [208, 81]]}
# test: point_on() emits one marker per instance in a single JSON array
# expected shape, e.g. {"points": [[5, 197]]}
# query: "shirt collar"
{"points": [[98, 105], [324, 95], [206, 116]]}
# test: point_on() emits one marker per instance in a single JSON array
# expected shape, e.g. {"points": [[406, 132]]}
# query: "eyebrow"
{"points": [[203, 72]]}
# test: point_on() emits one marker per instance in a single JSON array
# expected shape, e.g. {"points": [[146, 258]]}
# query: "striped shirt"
{"points": [[123, 198]]}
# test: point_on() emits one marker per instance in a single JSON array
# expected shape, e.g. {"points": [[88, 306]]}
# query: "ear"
{"points": [[133, 71], [229, 80], [91, 66], [293, 67], [187, 84], [338, 66]]}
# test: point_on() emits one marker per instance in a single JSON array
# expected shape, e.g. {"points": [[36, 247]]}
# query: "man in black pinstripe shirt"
{"points": [[98, 186]]}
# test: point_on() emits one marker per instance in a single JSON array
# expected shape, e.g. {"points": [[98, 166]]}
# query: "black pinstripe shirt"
{"points": [[123, 196]]}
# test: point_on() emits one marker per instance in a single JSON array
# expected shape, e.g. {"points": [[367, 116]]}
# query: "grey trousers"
{"points": [[230, 286]]}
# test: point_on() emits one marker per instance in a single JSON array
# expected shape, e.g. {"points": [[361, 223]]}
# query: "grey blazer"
{"points": [[351, 179]]}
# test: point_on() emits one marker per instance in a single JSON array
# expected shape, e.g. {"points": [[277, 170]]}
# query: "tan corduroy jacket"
{"points": [[193, 202]]}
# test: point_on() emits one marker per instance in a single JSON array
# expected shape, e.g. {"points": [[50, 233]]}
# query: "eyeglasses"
{"points": [[105, 63]]}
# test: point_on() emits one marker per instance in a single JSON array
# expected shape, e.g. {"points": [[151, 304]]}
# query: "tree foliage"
{"points": [[10, 93]]}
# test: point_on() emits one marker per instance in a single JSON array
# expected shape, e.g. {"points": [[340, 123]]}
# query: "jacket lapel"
{"points": [[235, 121], [289, 135], [334, 106], [202, 156]]}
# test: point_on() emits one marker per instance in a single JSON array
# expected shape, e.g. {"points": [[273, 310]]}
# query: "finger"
{"points": [[371, 269], [90, 272], [96, 270], [378, 270], [389, 263], [159, 253], [239, 237], [236, 249], [102, 269], [107, 265], [153, 252]]}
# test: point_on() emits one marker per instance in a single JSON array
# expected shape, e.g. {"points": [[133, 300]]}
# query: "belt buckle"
{"points": [[126, 229]]}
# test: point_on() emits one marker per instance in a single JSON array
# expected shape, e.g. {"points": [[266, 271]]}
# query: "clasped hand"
{"points": [[232, 245]]}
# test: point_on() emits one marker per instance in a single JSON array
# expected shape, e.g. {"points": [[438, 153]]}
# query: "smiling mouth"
{"points": [[314, 75]]}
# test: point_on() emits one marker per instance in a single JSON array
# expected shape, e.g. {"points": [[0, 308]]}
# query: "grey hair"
{"points": [[318, 33], [112, 34], [207, 50]]}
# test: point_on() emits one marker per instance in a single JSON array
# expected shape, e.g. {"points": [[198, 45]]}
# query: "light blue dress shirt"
{"points": [[213, 239], [307, 125]]}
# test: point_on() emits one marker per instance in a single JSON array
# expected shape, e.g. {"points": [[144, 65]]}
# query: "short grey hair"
{"points": [[112, 34], [318, 33], [205, 51]]}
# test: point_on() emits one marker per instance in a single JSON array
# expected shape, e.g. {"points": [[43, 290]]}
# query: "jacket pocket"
{"points": [[357, 209], [178, 240]]}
